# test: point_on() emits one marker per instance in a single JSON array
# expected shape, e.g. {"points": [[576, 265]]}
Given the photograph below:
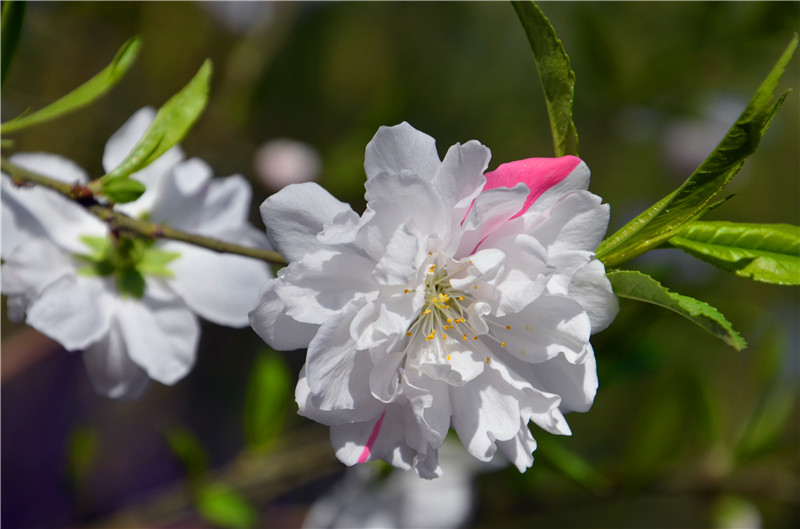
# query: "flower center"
{"points": [[442, 318], [127, 259]]}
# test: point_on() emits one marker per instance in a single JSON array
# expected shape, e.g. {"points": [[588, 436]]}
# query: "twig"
{"points": [[83, 196]]}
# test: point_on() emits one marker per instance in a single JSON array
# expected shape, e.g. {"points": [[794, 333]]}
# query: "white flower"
{"points": [[453, 301], [63, 273], [366, 497]]}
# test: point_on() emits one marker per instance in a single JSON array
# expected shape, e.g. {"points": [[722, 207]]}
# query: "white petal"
{"points": [[296, 214], [590, 287], [73, 311], [38, 211], [161, 337], [430, 402], [542, 407], [489, 211], [306, 288], [402, 259], [384, 379], [122, 141], [219, 287], [576, 383], [352, 440], [337, 373], [111, 370], [520, 448], [483, 413], [460, 176], [405, 197], [154, 175], [578, 221], [401, 147], [270, 321], [34, 266], [52, 165], [545, 328], [180, 204]]}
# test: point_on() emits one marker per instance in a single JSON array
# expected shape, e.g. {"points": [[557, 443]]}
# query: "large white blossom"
{"points": [[67, 276], [456, 300]]}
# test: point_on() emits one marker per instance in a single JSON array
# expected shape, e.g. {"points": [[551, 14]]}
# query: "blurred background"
{"points": [[685, 432]]}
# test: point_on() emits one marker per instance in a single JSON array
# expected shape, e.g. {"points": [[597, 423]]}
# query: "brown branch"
{"points": [[83, 196]]}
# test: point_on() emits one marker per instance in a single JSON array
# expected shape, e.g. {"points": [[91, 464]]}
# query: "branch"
{"points": [[82, 195]]}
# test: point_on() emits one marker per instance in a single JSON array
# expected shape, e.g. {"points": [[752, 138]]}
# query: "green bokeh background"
{"points": [[684, 430]]}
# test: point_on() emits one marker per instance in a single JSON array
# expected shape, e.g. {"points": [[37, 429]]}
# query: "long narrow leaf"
{"points": [[558, 79], [641, 287], [671, 214], [10, 30], [85, 94], [172, 122], [763, 252]]}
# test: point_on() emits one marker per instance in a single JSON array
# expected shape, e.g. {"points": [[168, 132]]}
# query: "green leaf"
{"points": [[130, 282], [641, 287], [154, 262], [122, 190], [87, 93], [223, 506], [171, 124], [10, 30], [764, 252], [98, 245], [187, 448], [269, 393], [690, 201], [558, 79]]}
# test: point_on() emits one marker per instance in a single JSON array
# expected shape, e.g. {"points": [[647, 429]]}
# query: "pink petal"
{"points": [[539, 174]]}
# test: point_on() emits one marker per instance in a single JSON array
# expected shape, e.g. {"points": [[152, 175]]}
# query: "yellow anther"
{"points": [[427, 311], [448, 358], [502, 344], [474, 337], [408, 333], [464, 337], [406, 291], [444, 337], [508, 327], [430, 253], [461, 298], [475, 287], [488, 359], [528, 328]]}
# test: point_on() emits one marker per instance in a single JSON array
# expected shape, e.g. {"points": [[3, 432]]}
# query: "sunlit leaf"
{"points": [[641, 287], [172, 122], [225, 507], [155, 262], [684, 205], [269, 393], [85, 94], [764, 252], [558, 79], [123, 190], [10, 30]]}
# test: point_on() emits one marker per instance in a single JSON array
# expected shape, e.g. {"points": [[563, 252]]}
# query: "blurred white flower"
{"points": [[365, 498], [281, 162], [129, 304], [454, 300], [687, 142]]}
